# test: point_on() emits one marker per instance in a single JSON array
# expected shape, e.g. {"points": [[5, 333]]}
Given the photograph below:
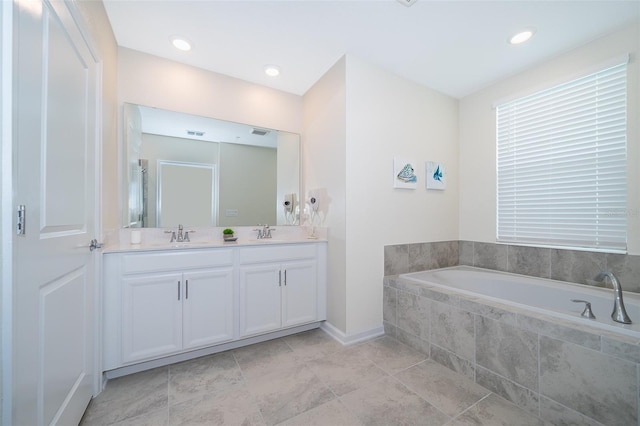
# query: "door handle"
{"points": [[187, 288], [280, 278], [285, 277], [94, 244], [178, 290]]}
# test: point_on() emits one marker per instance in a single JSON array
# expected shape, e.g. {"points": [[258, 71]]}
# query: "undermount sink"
{"points": [[265, 241]]}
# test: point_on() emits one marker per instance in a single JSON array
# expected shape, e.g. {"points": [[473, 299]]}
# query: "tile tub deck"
{"points": [[560, 371]]}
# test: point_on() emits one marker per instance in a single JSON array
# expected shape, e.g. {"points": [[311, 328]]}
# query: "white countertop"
{"points": [[154, 239]]}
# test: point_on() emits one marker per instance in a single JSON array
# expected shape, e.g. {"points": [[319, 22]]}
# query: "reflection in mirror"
{"points": [[175, 205], [199, 171]]}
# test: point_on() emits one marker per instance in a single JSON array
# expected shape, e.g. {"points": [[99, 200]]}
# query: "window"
{"points": [[561, 164]]}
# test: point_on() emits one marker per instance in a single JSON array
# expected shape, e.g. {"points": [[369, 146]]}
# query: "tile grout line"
{"points": [[451, 418], [508, 380], [472, 406], [419, 396], [168, 394], [346, 406], [539, 376], [246, 383]]}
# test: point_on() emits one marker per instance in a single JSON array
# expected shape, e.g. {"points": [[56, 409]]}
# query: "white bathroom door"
{"points": [[56, 106]]}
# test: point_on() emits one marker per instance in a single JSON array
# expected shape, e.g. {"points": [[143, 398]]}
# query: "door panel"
{"points": [[151, 316], [260, 301], [299, 293], [55, 138], [62, 355], [208, 308], [65, 98]]}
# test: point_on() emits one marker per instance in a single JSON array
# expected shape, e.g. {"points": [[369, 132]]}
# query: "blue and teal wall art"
{"points": [[404, 173], [436, 176]]}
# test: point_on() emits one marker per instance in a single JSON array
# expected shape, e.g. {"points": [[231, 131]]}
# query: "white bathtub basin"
{"points": [[535, 294]]}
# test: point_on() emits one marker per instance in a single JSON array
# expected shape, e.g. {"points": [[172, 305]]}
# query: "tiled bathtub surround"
{"points": [[573, 266], [402, 258], [565, 373]]}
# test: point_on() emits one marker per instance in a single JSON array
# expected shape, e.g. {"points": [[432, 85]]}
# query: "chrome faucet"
{"points": [[265, 232], [180, 237], [587, 313], [619, 313]]}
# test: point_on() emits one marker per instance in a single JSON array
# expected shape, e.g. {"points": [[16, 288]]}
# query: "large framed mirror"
{"points": [[199, 171]]}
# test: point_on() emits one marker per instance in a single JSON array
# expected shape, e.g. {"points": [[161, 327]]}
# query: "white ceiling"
{"points": [[455, 47]]}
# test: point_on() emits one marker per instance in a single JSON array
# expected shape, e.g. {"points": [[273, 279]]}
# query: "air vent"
{"points": [[195, 133], [260, 132]]}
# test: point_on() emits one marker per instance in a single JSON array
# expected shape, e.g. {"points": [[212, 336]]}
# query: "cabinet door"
{"points": [[299, 293], [151, 316], [207, 307], [260, 302]]}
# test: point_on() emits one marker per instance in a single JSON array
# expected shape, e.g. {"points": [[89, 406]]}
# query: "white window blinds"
{"points": [[561, 164]]}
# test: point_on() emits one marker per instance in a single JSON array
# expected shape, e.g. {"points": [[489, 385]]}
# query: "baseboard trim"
{"points": [[352, 339]]}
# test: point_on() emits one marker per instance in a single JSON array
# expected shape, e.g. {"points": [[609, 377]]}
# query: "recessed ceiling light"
{"points": [[272, 70], [181, 43], [522, 36]]}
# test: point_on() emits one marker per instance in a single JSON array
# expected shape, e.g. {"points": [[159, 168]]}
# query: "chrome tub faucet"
{"points": [[619, 313]]}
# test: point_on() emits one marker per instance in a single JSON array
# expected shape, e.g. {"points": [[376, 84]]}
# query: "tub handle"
{"points": [[587, 313]]}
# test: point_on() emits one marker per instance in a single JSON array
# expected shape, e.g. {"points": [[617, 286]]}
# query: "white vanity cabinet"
{"points": [[276, 295], [166, 313], [169, 303], [207, 313], [151, 316], [161, 303], [278, 287]]}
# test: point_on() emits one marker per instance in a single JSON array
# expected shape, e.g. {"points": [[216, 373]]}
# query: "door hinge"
{"points": [[21, 222]]}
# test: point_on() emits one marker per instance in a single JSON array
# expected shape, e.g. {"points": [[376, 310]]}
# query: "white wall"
{"points": [[390, 116], [288, 174], [477, 132], [324, 169], [100, 28], [356, 119], [153, 81]]}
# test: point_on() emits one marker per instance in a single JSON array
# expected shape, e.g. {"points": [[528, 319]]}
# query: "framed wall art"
{"points": [[404, 173], [436, 176]]}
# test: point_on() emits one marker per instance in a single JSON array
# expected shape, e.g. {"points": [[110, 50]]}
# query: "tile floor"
{"points": [[305, 379]]}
